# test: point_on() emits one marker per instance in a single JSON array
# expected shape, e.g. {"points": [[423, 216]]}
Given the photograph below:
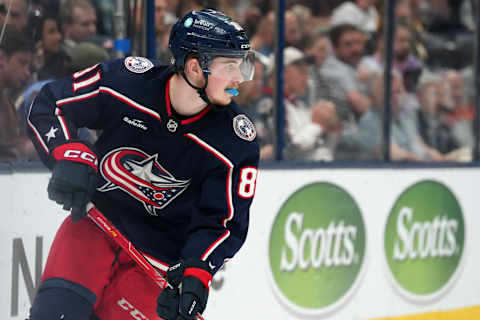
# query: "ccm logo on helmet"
{"points": [[74, 154]]}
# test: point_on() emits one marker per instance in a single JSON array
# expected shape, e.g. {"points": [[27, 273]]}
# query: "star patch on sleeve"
{"points": [[51, 133]]}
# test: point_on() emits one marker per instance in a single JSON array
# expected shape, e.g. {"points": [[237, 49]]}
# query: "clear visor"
{"points": [[233, 67]]}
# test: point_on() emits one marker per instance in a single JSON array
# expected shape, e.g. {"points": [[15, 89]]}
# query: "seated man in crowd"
{"points": [[430, 116], [309, 130], [18, 16], [364, 141], [348, 43], [16, 51], [322, 86], [79, 23]]}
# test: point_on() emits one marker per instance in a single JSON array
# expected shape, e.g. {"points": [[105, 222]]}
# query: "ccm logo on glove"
{"points": [[77, 152]]}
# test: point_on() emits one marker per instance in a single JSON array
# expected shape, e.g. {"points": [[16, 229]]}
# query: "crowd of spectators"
{"points": [[333, 70]]}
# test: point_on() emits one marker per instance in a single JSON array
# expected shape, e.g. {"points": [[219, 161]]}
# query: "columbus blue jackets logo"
{"points": [[244, 128], [142, 177], [138, 64]]}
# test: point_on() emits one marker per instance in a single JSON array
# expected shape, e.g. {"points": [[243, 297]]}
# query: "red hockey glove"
{"points": [[73, 178], [195, 278]]}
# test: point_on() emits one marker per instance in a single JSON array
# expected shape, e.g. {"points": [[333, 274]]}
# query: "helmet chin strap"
{"points": [[201, 91]]}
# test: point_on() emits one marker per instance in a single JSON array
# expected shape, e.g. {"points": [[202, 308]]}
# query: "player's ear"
{"points": [[192, 68]]}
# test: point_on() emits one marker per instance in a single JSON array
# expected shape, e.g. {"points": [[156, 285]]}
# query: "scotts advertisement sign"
{"points": [[317, 249], [424, 240]]}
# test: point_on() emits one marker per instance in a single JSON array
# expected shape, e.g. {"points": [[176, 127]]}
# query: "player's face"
{"points": [[217, 90], [226, 74]]}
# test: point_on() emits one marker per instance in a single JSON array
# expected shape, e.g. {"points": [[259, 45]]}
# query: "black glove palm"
{"points": [[72, 185]]}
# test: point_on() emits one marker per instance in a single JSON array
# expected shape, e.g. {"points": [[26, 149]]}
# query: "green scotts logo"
{"points": [[424, 240], [316, 248]]}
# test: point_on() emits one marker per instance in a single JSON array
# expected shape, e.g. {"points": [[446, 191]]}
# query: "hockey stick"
{"points": [[102, 222]]}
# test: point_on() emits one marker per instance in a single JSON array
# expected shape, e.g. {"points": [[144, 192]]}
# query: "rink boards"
{"points": [[322, 244]]}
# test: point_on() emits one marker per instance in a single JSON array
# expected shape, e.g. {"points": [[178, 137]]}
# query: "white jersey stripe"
{"points": [[77, 98], [63, 124], [85, 71], [114, 94], [37, 134], [229, 164], [87, 82], [130, 102]]}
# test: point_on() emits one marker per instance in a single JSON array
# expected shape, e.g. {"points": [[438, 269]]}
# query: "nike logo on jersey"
{"points": [[135, 122], [142, 177]]}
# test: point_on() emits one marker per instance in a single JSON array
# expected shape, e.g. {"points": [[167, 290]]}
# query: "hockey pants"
{"points": [[87, 276]]}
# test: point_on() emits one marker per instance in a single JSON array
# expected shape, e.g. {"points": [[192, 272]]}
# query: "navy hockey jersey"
{"points": [[176, 187]]}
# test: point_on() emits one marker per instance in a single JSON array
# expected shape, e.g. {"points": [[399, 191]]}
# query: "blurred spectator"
{"points": [[230, 7], [18, 49], [432, 129], [407, 13], [258, 110], [348, 43], [50, 58], [163, 22], [442, 15], [105, 11], [184, 6], [250, 17], [307, 128], [450, 42], [305, 22], [51, 6], [79, 23], [360, 13], [321, 86], [365, 140], [262, 40], [459, 112], [404, 60], [322, 8], [17, 19], [17, 55], [468, 13], [293, 31]]}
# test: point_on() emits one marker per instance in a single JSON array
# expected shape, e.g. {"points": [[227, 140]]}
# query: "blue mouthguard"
{"points": [[233, 92]]}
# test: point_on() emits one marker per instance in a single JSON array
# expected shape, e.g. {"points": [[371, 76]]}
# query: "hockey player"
{"points": [[174, 168]]}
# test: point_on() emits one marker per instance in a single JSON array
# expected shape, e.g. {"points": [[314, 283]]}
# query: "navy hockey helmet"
{"points": [[210, 34]]}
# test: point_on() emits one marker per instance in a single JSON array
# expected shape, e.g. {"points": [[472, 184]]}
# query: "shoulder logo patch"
{"points": [[138, 64], [244, 128]]}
